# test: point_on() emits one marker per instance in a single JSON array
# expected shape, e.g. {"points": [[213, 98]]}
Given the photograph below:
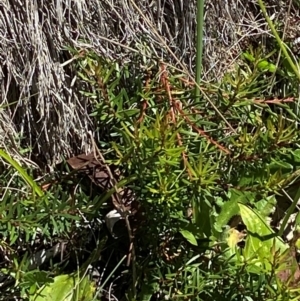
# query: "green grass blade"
{"points": [[200, 22], [22, 172]]}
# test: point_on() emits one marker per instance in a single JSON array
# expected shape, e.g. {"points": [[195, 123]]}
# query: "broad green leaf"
{"points": [[266, 205], [229, 209], [66, 288], [261, 242], [189, 237], [37, 277]]}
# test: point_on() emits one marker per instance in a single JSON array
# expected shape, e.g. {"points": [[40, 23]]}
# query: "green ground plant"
{"points": [[189, 162], [192, 176], [207, 184]]}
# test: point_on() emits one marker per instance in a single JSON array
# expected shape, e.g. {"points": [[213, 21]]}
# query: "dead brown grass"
{"points": [[39, 94]]}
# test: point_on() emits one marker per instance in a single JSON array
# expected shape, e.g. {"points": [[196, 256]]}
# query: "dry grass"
{"points": [[39, 94]]}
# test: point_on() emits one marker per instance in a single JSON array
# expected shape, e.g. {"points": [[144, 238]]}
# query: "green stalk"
{"points": [[289, 211], [278, 39], [200, 27]]}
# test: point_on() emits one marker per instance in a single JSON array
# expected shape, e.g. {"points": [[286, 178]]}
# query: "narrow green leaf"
{"points": [[189, 237], [248, 56], [22, 172]]}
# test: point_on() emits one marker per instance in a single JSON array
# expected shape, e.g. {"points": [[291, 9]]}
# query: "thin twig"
{"points": [[123, 211]]}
